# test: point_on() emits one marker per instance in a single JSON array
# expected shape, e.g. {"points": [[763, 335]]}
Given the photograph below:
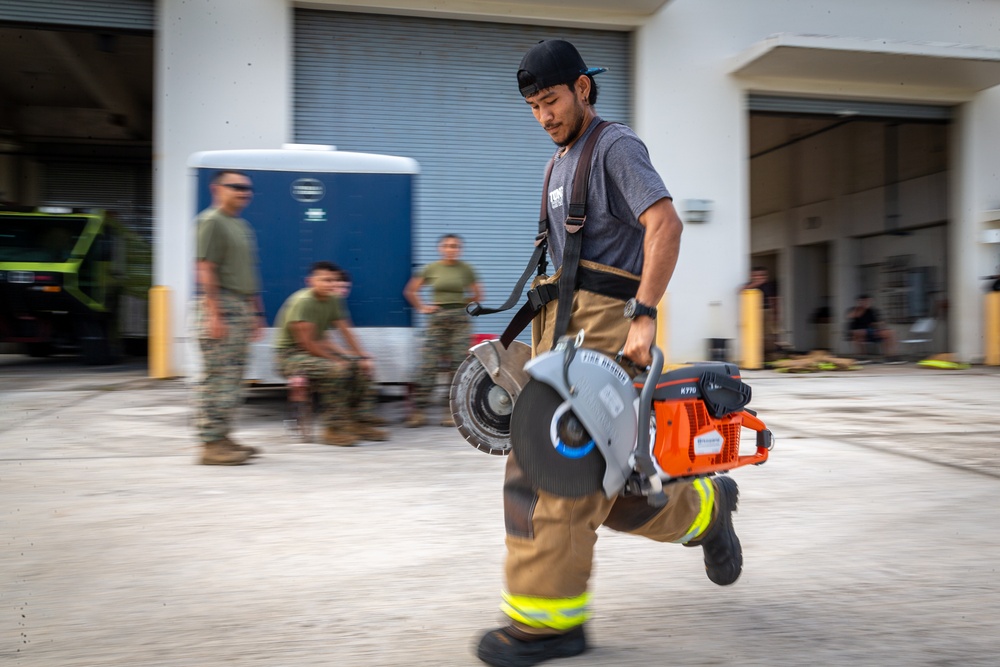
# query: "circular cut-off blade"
{"points": [[481, 408], [537, 448]]}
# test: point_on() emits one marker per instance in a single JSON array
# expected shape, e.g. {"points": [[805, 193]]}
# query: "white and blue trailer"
{"points": [[317, 203]]}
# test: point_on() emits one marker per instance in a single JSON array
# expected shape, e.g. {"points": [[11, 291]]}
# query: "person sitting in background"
{"points": [[866, 326], [367, 396], [342, 377]]}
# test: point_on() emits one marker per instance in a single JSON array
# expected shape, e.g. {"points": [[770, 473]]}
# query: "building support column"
{"points": [[223, 81]]}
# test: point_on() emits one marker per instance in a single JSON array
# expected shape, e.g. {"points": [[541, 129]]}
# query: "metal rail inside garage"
{"points": [[444, 93]]}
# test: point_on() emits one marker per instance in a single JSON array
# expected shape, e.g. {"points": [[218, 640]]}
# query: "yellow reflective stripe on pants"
{"points": [[555, 613], [706, 491]]}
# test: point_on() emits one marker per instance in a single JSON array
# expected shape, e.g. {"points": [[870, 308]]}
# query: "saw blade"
{"points": [[551, 446], [481, 408]]}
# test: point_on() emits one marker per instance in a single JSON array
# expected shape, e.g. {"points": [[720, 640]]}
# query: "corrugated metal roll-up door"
{"points": [[125, 189], [847, 108], [445, 93], [120, 14]]}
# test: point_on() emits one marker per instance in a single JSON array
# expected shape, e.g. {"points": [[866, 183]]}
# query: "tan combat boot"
{"points": [[415, 419], [251, 451], [339, 436], [218, 453], [369, 432]]}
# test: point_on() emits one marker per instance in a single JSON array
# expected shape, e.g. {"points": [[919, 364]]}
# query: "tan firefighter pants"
{"points": [[550, 539]]}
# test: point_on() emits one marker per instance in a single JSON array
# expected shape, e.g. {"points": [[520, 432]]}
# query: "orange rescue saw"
{"points": [[572, 417]]}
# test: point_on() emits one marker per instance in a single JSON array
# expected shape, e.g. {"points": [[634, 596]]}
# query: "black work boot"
{"points": [[723, 554], [508, 647]]}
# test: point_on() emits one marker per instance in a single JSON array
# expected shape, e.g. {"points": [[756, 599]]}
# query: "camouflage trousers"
{"points": [[446, 344], [346, 393], [223, 359]]}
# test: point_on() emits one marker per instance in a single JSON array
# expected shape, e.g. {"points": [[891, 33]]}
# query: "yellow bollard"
{"points": [[159, 333], [991, 337], [662, 340], [752, 329]]}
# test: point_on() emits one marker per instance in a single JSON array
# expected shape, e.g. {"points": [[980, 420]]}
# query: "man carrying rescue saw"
{"points": [[630, 242]]}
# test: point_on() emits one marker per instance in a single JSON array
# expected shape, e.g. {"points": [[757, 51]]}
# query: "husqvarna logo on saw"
{"points": [[307, 190], [708, 443]]}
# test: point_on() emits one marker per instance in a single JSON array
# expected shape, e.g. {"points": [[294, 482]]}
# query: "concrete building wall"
{"points": [[224, 75], [694, 121], [692, 113], [976, 191], [223, 80]]}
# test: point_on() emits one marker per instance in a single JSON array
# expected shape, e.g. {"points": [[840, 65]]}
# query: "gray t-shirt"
{"points": [[619, 193]]}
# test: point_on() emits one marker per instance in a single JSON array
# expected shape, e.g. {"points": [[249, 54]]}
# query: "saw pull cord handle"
{"points": [[643, 459]]}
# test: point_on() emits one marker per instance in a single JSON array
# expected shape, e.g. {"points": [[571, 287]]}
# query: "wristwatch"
{"points": [[634, 309]]}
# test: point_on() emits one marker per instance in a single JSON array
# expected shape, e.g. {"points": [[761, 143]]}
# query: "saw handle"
{"points": [[765, 440], [622, 360], [643, 458]]}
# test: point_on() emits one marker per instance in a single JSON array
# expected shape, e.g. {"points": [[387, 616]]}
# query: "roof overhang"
{"points": [[610, 14], [955, 71]]}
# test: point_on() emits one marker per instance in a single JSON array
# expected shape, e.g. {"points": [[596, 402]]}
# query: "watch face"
{"points": [[630, 309], [634, 309]]}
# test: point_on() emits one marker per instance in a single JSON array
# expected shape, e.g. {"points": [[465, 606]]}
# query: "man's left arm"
{"points": [[661, 248], [477, 293], [347, 334], [260, 322]]}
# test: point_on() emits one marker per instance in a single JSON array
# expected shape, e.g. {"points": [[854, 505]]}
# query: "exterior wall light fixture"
{"points": [[697, 210]]}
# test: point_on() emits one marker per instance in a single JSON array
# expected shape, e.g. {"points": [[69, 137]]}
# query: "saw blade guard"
{"points": [[600, 394], [483, 392]]}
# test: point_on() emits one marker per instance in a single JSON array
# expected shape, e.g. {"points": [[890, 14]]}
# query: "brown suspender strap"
{"points": [[537, 261], [599, 282], [577, 216], [575, 221], [543, 218]]}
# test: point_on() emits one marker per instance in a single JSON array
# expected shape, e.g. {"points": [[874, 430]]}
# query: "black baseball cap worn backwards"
{"points": [[549, 63]]}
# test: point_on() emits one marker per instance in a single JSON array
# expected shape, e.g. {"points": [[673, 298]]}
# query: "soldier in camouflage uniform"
{"points": [[228, 313], [342, 377], [446, 339]]}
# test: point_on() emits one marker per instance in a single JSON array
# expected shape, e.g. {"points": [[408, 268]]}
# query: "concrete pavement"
{"points": [[870, 537]]}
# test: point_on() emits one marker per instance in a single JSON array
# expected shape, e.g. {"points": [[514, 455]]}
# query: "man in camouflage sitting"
{"points": [[341, 376]]}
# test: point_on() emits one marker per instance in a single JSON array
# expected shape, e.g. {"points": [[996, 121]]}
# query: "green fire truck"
{"points": [[72, 280]]}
